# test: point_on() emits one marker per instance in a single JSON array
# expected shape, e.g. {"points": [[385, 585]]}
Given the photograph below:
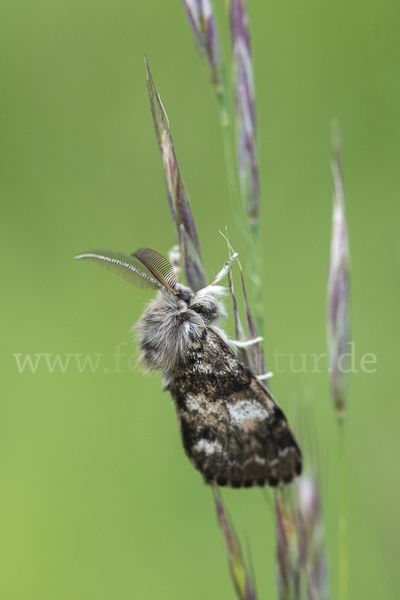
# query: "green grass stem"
{"points": [[343, 537]]}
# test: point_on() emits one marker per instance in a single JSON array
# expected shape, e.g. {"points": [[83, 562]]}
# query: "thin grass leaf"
{"points": [[241, 578], [239, 331], [256, 351], [252, 354], [176, 191]]}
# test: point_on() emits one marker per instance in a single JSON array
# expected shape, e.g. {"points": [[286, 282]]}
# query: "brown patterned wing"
{"points": [[232, 429]]}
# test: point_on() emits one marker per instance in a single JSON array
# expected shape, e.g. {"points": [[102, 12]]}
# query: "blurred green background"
{"points": [[97, 499]]}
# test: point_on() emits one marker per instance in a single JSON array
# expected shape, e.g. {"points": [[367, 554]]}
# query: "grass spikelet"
{"points": [[338, 329], [301, 565], [240, 574], [245, 109], [200, 14], [177, 195]]}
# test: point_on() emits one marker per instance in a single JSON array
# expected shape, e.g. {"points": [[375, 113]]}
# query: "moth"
{"points": [[232, 429]]}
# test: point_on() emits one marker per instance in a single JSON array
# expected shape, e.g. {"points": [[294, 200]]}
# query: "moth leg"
{"points": [[224, 270], [175, 259], [246, 343], [265, 376]]}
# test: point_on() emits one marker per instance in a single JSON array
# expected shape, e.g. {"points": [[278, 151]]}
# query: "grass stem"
{"points": [[343, 538], [230, 164]]}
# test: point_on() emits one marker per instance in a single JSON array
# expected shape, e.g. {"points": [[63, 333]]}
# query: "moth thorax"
{"points": [[167, 332]]}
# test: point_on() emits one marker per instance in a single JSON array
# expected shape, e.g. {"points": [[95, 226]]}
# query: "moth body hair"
{"points": [[173, 323]]}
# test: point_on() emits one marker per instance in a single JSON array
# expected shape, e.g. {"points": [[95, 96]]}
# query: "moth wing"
{"points": [[127, 267], [232, 428]]}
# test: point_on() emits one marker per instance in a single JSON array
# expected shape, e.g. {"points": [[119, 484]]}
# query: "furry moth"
{"points": [[232, 429]]}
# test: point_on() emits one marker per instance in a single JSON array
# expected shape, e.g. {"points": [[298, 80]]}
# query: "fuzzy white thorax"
{"points": [[170, 325]]}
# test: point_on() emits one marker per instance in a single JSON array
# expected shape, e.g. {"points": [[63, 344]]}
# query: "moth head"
{"points": [[149, 269], [183, 297]]}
